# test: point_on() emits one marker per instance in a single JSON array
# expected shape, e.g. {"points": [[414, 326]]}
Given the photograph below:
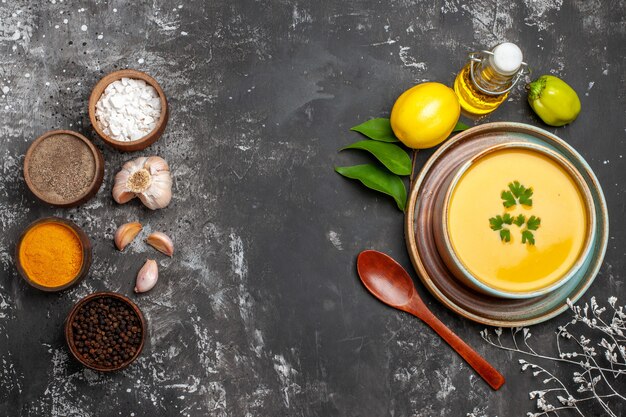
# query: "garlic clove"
{"points": [[121, 194], [122, 197], [147, 276], [126, 233], [134, 164], [156, 164], [161, 242], [160, 193]]}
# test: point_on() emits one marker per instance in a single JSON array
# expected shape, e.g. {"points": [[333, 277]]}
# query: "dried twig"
{"points": [[599, 359]]}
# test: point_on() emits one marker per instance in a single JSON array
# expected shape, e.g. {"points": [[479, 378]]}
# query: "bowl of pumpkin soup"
{"points": [[516, 220]]}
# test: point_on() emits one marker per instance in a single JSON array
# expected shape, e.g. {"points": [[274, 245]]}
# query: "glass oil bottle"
{"points": [[485, 82]]}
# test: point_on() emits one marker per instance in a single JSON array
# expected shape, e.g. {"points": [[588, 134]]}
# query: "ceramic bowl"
{"points": [[432, 270], [85, 243], [443, 239], [95, 183], [135, 145], [69, 330]]}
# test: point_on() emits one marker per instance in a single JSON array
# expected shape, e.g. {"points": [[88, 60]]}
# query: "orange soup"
{"points": [[517, 220]]}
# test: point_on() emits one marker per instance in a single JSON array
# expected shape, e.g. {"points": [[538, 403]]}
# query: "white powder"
{"points": [[128, 109]]}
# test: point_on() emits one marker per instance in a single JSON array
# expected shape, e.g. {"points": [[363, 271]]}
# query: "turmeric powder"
{"points": [[51, 254]]}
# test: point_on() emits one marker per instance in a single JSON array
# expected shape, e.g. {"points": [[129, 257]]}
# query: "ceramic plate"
{"points": [[431, 268]]}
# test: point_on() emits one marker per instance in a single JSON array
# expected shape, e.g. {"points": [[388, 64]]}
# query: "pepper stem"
{"points": [[536, 88]]}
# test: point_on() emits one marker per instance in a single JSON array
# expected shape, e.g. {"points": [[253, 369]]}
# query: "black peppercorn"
{"points": [[106, 332]]}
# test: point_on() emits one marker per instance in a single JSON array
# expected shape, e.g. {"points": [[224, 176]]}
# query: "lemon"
{"points": [[424, 115]]}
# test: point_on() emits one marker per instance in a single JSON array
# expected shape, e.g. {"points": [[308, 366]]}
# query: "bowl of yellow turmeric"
{"points": [[53, 254]]}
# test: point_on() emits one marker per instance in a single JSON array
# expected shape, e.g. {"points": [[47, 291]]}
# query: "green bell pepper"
{"points": [[554, 101]]}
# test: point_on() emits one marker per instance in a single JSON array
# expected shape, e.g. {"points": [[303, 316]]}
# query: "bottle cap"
{"points": [[507, 58]]}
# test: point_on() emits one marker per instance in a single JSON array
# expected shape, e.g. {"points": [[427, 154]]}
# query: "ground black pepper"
{"points": [[62, 167], [106, 332]]}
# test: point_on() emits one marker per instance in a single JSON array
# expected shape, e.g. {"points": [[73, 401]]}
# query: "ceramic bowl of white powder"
{"points": [[128, 110]]}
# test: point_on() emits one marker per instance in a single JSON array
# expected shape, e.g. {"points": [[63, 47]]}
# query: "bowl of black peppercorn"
{"points": [[105, 331]]}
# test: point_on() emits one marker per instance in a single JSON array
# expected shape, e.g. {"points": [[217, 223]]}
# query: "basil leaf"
{"points": [[460, 126], [377, 179], [377, 129], [392, 156]]}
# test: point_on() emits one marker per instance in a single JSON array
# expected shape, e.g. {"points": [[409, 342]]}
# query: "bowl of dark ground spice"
{"points": [[63, 168], [105, 331]]}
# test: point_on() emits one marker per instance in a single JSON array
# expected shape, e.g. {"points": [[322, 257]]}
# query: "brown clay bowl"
{"points": [[135, 145], [87, 257], [69, 330], [88, 193]]}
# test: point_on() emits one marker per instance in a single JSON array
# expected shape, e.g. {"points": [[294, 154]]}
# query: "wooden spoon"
{"points": [[391, 284]]}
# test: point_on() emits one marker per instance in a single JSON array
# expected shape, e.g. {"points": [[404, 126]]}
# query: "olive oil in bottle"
{"points": [[485, 82]]}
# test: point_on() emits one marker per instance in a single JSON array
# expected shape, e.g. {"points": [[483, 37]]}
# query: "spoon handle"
{"points": [[480, 365]]}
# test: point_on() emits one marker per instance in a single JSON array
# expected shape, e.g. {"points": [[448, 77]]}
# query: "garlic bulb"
{"points": [[147, 276], [147, 178]]}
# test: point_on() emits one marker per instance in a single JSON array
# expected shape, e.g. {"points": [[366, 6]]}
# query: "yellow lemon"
{"points": [[424, 115]]}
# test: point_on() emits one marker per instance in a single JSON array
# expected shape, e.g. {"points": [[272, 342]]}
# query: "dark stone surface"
{"points": [[260, 312]]}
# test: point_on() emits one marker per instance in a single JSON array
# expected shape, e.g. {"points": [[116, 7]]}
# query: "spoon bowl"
{"points": [[385, 278], [388, 281]]}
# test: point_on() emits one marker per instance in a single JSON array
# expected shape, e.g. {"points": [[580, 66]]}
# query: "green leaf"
{"points": [[516, 188], [460, 126], [533, 223], [527, 236], [377, 179], [526, 197], [507, 219], [390, 155], [496, 222], [519, 220], [508, 200], [505, 235], [377, 129], [523, 194]]}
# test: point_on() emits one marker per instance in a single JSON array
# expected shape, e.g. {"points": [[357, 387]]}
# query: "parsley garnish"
{"points": [[496, 222], [533, 223], [527, 236], [516, 194], [519, 220], [508, 199]]}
